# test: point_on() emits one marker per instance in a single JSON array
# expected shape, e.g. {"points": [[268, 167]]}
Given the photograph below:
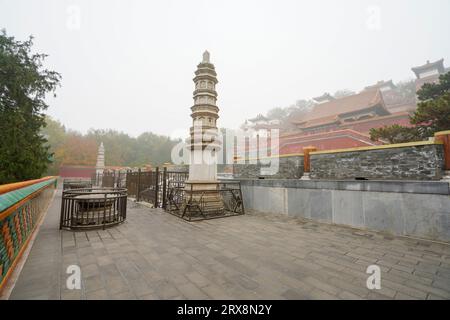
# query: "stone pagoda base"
{"points": [[202, 199]]}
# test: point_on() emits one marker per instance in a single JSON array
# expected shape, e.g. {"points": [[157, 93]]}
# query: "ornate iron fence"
{"points": [[166, 189], [22, 205], [199, 204], [108, 180], [151, 186], [76, 184], [93, 208]]}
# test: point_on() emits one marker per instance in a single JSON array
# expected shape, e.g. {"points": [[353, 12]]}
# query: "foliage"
{"points": [[277, 113], [73, 148], [432, 114], [343, 93], [394, 134], [24, 83], [407, 90], [431, 91], [285, 114]]}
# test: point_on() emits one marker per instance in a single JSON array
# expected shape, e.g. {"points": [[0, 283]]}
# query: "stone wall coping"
{"points": [[385, 146], [441, 133], [287, 155], [421, 187]]}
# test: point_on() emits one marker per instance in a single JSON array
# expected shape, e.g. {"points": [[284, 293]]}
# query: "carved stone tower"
{"points": [[100, 166], [204, 143]]}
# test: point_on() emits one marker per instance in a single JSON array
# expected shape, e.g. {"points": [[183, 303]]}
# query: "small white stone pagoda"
{"points": [[100, 166]]}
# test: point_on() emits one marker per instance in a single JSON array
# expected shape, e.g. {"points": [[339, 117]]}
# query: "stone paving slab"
{"points": [[155, 255]]}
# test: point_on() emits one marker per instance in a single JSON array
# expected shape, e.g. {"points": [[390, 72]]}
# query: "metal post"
{"points": [[164, 188], [138, 185], [156, 186]]}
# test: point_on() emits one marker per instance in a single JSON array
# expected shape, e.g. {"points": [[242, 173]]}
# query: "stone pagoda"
{"points": [[100, 166], [202, 187]]}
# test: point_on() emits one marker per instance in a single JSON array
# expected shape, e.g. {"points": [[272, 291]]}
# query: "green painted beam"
{"points": [[11, 198]]}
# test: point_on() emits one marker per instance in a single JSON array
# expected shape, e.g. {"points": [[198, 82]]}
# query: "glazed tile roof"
{"points": [[439, 64], [329, 112]]}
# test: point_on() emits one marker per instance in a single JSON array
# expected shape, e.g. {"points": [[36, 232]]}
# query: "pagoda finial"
{"points": [[205, 57]]}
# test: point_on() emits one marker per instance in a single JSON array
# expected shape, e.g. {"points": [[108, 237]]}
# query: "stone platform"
{"points": [[155, 255]]}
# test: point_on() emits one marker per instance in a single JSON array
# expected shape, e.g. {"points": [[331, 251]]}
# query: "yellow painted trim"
{"points": [[385, 146], [441, 133], [4, 188], [288, 155], [271, 157]]}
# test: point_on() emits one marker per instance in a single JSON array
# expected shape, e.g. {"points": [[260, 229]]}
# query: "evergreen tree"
{"points": [[432, 115], [24, 83]]}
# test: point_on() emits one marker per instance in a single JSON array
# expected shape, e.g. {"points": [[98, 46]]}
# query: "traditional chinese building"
{"points": [[260, 126], [346, 122], [429, 72], [394, 99]]}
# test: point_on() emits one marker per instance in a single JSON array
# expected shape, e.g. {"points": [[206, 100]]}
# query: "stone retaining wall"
{"points": [[288, 168], [419, 209], [421, 162]]}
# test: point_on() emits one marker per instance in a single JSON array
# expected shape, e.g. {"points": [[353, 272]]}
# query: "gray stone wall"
{"points": [[288, 168], [424, 162], [178, 168], [419, 209]]}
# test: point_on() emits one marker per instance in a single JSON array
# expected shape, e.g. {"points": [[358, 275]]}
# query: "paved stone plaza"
{"points": [[155, 255]]}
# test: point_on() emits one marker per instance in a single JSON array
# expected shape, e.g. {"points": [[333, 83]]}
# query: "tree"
{"points": [[24, 84], [343, 93], [407, 90], [56, 136], [277, 113], [394, 134], [70, 147], [430, 91], [432, 114]]}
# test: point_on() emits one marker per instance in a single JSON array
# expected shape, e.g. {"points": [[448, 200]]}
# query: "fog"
{"points": [[129, 65]]}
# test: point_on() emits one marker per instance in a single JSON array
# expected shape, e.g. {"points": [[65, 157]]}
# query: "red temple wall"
{"points": [[76, 171]]}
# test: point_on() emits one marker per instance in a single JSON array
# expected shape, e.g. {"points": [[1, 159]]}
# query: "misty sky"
{"points": [[129, 65]]}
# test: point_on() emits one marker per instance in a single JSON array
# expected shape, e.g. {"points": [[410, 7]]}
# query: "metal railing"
{"points": [[76, 184], [93, 208], [166, 189], [151, 186], [200, 204], [109, 179]]}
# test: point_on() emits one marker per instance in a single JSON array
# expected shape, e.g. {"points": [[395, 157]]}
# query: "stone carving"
{"points": [[205, 57]]}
